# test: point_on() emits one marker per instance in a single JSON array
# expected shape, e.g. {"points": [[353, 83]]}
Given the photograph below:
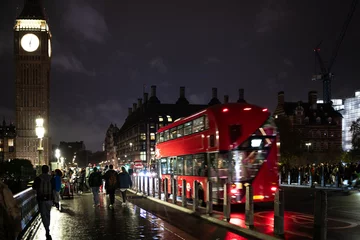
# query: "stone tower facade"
{"points": [[32, 55]]}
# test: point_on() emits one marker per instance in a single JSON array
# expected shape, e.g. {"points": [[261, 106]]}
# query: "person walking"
{"points": [[124, 183], [56, 191], [95, 181], [44, 185], [111, 184], [10, 215]]}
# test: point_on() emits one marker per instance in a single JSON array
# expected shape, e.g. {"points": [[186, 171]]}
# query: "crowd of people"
{"points": [[345, 174], [50, 185]]}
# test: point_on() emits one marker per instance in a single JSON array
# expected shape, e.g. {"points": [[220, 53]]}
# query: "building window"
{"points": [[318, 120], [143, 136], [169, 118], [307, 120], [10, 142], [1, 149], [152, 136], [143, 156], [152, 125], [161, 119]]}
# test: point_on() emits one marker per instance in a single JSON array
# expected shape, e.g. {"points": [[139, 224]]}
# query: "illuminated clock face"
{"points": [[49, 48], [30, 42]]}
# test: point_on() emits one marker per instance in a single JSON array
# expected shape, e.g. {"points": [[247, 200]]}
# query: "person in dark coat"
{"points": [[95, 181], [124, 183], [111, 184]]}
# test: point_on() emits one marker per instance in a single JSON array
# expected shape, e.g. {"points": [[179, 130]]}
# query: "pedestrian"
{"points": [[82, 181], [44, 185], [104, 182], [57, 179], [111, 184], [10, 215], [88, 171], [95, 181], [124, 183]]}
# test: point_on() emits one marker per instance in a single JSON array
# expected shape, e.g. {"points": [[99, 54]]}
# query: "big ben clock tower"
{"points": [[32, 52]]}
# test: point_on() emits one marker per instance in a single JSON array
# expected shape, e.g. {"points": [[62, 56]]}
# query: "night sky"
{"points": [[105, 51]]}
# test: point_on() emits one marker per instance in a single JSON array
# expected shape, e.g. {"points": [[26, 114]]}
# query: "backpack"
{"points": [[95, 180], [112, 180], [45, 189]]}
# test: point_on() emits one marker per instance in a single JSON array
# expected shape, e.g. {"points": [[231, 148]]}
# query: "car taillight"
{"points": [[273, 189]]}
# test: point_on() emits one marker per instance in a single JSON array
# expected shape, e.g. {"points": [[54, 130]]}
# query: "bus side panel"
{"points": [[168, 177], [266, 182], [190, 186]]}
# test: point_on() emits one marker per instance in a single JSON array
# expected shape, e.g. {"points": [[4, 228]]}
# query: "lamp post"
{"points": [[308, 145], [40, 132], [57, 155]]}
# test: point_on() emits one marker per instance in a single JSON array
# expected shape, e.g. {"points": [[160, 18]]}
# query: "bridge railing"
{"points": [[27, 203], [299, 180]]}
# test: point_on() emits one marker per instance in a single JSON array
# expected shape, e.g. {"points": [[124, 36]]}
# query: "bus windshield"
{"points": [[247, 159], [243, 163]]}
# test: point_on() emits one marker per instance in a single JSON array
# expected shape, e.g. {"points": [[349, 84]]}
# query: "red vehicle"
{"points": [[234, 142]]}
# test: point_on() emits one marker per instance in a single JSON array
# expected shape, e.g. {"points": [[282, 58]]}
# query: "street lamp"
{"points": [[57, 155], [40, 132], [308, 145]]}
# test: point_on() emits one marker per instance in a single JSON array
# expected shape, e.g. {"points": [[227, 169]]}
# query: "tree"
{"points": [[290, 141], [355, 135]]}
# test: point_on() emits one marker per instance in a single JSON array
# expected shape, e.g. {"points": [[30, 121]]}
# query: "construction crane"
{"points": [[325, 72]]}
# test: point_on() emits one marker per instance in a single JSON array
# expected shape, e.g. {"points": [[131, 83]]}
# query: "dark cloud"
{"points": [[211, 60], [270, 16], [288, 62], [105, 51], [85, 20], [69, 62], [158, 64]]}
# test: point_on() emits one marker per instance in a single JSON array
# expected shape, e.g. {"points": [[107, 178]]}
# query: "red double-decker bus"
{"points": [[233, 142]]}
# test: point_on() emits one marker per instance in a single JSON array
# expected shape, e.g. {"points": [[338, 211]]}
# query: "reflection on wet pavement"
{"points": [[80, 220]]}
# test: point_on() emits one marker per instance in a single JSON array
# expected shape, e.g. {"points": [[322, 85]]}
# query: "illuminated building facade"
{"points": [[32, 55], [318, 124], [135, 140], [350, 112]]}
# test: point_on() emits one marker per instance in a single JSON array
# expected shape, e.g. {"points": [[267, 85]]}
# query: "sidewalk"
{"points": [[264, 228], [80, 220]]}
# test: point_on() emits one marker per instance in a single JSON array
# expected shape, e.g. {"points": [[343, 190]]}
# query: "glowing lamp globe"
{"points": [[40, 130]]}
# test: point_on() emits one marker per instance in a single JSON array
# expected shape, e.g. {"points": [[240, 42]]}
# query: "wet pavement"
{"points": [[343, 215], [80, 220]]}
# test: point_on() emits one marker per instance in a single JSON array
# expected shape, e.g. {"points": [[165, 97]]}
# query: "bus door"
{"points": [[214, 176], [172, 171]]}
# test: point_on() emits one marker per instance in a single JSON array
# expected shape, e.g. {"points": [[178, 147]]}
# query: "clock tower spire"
{"points": [[33, 9], [32, 55]]}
